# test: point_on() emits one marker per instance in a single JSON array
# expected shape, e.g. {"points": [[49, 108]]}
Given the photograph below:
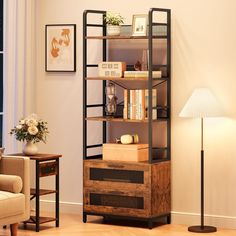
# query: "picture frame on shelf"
{"points": [[60, 48], [139, 25]]}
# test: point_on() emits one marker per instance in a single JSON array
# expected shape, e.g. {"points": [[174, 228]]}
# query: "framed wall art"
{"points": [[139, 25], [60, 53]]}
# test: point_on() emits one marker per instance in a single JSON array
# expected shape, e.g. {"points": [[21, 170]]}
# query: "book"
{"points": [[131, 104], [142, 104], [141, 74], [136, 104], [125, 111], [133, 114], [137, 101]]}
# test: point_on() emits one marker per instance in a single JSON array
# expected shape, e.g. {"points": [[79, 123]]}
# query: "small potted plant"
{"points": [[30, 130], [113, 21]]}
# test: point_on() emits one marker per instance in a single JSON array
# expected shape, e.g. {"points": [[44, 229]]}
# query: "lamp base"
{"points": [[202, 229]]}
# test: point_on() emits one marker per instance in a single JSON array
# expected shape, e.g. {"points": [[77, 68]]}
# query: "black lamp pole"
{"points": [[202, 228]]}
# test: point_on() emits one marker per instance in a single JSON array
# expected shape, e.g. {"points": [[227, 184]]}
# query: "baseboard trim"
{"points": [[65, 207], [187, 218], [181, 218]]}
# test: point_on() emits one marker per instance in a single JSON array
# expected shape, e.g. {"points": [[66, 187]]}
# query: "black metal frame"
{"points": [[151, 85], [85, 67]]}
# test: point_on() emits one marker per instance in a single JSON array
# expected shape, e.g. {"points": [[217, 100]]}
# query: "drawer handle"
{"points": [[115, 192], [115, 166]]}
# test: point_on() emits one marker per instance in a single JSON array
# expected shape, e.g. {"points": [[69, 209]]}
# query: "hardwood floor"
{"points": [[71, 225]]}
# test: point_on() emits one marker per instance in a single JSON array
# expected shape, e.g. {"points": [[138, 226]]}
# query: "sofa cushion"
{"points": [[1, 152], [11, 183], [11, 204]]}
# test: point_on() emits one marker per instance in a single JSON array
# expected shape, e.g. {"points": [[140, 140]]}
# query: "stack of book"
{"points": [[142, 74], [136, 104]]}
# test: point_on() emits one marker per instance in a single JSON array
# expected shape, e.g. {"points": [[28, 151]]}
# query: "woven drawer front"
{"points": [[116, 202], [48, 168], [116, 176]]}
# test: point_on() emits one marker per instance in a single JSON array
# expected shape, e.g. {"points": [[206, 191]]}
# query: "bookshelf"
{"points": [[129, 190]]}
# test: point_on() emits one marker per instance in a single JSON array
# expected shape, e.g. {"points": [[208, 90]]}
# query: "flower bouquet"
{"points": [[30, 130]]}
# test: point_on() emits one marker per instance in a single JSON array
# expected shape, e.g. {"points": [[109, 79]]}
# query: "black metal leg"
{"points": [[169, 219], [25, 225], [37, 196], [150, 224], [105, 219], [57, 194], [84, 217]]}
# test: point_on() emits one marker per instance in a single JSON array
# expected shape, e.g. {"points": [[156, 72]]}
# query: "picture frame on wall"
{"points": [[60, 50], [139, 25]]}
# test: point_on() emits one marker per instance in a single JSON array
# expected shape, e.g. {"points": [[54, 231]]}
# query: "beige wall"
{"points": [[203, 54]]}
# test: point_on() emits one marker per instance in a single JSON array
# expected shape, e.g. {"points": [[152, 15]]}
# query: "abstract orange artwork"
{"points": [[60, 48]]}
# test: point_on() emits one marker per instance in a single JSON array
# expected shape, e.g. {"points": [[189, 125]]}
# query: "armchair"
{"points": [[14, 191]]}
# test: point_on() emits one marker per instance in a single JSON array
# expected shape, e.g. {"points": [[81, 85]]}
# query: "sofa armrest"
{"points": [[11, 183], [20, 166]]}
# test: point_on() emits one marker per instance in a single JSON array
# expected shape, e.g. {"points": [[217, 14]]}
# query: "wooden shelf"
{"points": [[117, 162], [125, 79], [157, 151], [41, 191], [42, 220], [112, 119], [126, 37]]}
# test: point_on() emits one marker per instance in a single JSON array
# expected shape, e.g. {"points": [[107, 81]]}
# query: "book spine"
{"points": [[125, 111], [146, 103], [133, 117], [142, 104], [128, 104], [137, 104]]}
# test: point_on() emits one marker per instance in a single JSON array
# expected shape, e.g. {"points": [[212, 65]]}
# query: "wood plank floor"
{"points": [[71, 225]]}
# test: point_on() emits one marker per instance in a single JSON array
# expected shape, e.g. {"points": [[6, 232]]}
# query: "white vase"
{"points": [[30, 149], [113, 30]]}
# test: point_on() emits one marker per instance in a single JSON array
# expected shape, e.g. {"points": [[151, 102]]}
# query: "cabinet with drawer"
{"points": [[116, 175], [137, 190]]}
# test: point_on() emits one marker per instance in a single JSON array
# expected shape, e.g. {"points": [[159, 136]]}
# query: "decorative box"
{"points": [[111, 69], [125, 152]]}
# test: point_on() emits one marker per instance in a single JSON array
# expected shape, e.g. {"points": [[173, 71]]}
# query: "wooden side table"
{"points": [[45, 165]]}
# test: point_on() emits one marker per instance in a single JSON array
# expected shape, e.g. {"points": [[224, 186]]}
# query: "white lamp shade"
{"points": [[202, 103]]}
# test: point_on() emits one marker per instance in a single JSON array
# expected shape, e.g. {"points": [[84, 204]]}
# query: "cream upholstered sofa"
{"points": [[14, 191]]}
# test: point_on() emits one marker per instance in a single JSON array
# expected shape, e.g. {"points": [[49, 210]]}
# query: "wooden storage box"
{"points": [[125, 152], [111, 69]]}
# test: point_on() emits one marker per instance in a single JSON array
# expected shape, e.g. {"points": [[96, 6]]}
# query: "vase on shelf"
{"points": [[113, 30], [30, 149]]}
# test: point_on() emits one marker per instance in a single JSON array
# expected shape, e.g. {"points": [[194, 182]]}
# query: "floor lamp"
{"points": [[201, 104]]}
